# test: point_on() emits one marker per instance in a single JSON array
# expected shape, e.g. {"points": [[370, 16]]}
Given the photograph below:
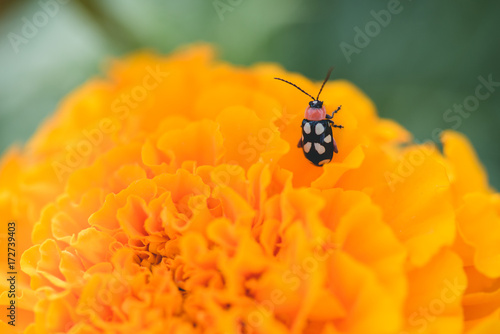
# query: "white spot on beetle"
{"points": [[307, 147], [319, 128], [320, 148], [307, 128], [328, 139], [322, 162]]}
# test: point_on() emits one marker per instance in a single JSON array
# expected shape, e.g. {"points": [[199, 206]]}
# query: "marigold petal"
{"points": [[479, 224], [435, 293], [418, 208], [92, 246], [468, 174], [200, 141]]}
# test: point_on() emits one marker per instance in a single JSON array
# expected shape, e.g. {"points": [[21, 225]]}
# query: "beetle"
{"points": [[317, 140]]}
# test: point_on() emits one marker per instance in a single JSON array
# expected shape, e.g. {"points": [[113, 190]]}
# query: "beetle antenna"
{"points": [[324, 82], [288, 82]]}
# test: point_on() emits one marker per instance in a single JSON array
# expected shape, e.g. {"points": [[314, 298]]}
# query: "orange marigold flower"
{"points": [[170, 198]]}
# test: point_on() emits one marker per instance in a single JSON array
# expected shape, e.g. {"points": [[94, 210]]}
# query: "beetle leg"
{"points": [[334, 112], [299, 145], [335, 125], [335, 149]]}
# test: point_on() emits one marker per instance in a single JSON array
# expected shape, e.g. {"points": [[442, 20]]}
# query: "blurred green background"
{"points": [[415, 67]]}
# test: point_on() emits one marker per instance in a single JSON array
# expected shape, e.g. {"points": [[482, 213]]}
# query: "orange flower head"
{"points": [[170, 197]]}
